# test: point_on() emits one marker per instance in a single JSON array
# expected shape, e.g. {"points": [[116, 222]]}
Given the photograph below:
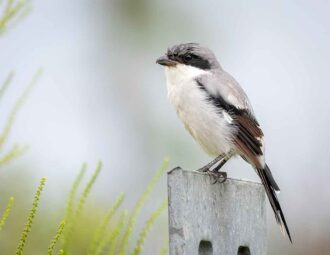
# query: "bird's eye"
{"points": [[187, 57]]}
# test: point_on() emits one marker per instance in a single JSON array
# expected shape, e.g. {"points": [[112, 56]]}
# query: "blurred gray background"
{"points": [[103, 97]]}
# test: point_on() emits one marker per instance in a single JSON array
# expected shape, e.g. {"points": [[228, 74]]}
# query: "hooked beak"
{"points": [[165, 61]]}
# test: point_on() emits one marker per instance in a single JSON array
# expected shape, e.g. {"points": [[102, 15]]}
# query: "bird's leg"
{"points": [[220, 176], [207, 167]]}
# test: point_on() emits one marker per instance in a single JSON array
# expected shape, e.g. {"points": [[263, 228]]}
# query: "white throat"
{"points": [[182, 73]]}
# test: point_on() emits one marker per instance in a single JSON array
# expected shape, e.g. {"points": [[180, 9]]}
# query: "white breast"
{"points": [[209, 127]]}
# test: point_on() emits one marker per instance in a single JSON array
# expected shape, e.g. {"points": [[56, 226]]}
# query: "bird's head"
{"points": [[189, 54], [187, 61]]}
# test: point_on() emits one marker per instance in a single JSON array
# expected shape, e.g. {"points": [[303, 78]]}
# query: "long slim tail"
{"points": [[271, 187]]}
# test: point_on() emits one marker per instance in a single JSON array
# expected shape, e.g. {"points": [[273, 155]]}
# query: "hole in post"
{"points": [[205, 248], [243, 250]]}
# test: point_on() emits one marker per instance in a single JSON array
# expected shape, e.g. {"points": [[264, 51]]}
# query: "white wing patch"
{"points": [[227, 117]]}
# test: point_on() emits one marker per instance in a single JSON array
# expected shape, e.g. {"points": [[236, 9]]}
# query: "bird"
{"points": [[217, 113]]}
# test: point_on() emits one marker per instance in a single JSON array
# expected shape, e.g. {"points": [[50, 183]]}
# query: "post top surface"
{"points": [[192, 172]]}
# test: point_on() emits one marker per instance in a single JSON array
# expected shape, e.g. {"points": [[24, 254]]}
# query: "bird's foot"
{"points": [[220, 177]]}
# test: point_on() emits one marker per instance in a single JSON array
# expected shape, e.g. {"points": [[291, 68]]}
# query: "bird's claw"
{"points": [[219, 177]]}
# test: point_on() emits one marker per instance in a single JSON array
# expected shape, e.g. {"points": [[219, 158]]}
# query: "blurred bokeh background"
{"points": [[103, 97]]}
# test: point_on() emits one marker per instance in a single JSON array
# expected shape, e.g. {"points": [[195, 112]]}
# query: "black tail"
{"points": [[270, 187]]}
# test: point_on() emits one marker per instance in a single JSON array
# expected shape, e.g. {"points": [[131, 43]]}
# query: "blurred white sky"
{"points": [[103, 97]]}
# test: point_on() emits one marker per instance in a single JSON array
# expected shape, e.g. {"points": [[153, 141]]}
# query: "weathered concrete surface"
{"points": [[229, 215]]}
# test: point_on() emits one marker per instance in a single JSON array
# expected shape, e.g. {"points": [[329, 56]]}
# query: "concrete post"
{"points": [[215, 219]]}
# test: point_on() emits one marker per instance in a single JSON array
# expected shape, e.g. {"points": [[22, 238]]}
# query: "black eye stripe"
{"points": [[189, 58]]}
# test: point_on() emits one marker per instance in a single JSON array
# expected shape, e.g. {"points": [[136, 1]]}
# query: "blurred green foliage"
{"points": [[11, 11], [77, 232], [15, 151], [112, 236]]}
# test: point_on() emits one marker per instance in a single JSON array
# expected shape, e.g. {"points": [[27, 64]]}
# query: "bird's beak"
{"points": [[165, 61]]}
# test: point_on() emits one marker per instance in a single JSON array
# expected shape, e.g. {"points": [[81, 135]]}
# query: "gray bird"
{"points": [[217, 113]]}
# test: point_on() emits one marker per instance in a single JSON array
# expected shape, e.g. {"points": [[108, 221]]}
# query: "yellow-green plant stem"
{"points": [[56, 238], [15, 152], [147, 227], [73, 191], [99, 233], [70, 203], [6, 212], [87, 190], [17, 107], [6, 84], [111, 239], [164, 249], [10, 11], [139, 205], [31, 216], [80, 206]]}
